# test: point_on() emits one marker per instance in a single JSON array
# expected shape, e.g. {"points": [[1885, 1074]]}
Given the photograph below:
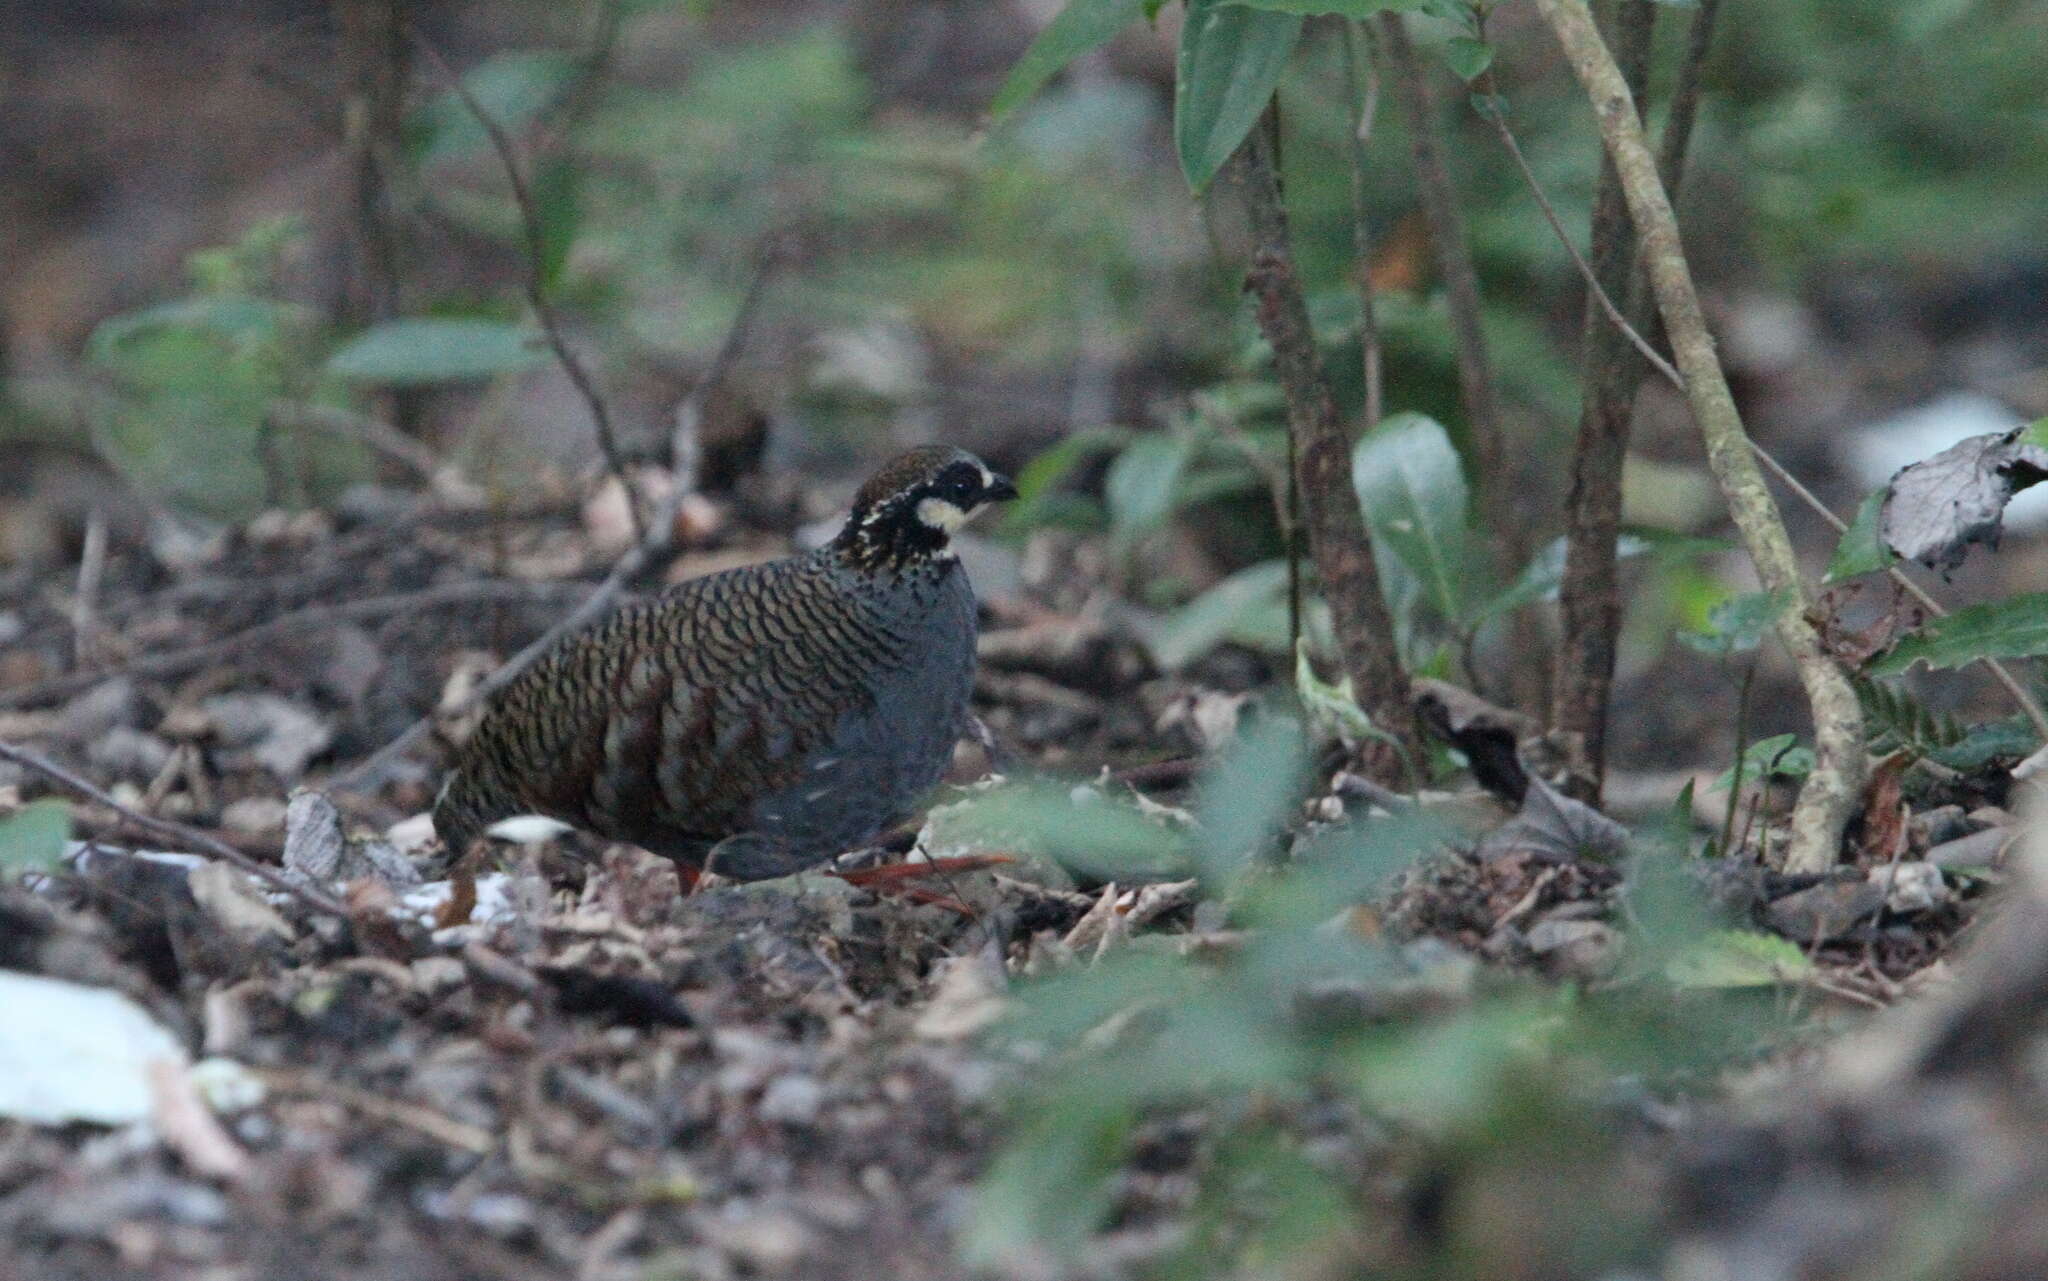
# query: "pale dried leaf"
{"points": [[1553, 826], [1938, 507]]}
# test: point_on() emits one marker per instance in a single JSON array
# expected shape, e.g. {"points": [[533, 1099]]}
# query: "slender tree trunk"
{"points": [[1330, 513]]}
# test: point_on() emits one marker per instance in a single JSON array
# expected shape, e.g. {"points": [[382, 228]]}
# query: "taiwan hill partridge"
{"points": [[761, 720]]}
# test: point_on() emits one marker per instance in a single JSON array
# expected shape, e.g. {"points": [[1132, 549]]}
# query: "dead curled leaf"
{"points": [[1939, 506], [1553, 826]]}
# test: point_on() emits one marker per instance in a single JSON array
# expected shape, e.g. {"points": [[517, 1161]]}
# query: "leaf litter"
{"points": [[562, 1061]]}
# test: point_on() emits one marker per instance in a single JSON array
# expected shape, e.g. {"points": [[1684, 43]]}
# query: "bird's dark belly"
{"points": [[882, 757]]}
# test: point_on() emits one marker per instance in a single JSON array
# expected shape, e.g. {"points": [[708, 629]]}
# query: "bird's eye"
{"points": [[957, 485]]}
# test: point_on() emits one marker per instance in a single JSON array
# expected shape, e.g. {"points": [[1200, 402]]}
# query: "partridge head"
{"points": [[760, 720]]}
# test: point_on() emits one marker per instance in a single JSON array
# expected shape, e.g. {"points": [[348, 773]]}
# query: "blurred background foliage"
{"points": [[1045, 290], [1865, 207]]}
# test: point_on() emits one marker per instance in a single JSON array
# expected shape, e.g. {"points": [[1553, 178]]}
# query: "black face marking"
{"points": [[958, 483], [888, 529]]}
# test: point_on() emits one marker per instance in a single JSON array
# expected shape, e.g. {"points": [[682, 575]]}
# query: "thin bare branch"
{"points": [[1834, 788], [1685, 96], [1599, 294], [372, 432], [653, 546], [1364, 100], [164, 829], [536, 282]]}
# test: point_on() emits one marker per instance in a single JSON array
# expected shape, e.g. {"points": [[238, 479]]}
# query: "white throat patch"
{"points": [[940, 514]]}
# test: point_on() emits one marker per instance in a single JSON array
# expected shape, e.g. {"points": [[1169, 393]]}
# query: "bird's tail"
{"points": [[463, 809]]}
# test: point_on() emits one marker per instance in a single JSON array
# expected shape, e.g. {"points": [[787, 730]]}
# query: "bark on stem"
{"points": [[1330, 512], [1589, 596], [1832, 791]]}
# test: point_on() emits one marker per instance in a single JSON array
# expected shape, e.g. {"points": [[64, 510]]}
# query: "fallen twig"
{"points": [[422, 1120], [164, 829], [313, 617]]}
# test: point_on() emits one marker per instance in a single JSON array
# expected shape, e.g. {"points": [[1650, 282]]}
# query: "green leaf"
{"points": [[1344, 864], [2013, 738], [1143, 482], [1245, 796], [558, 210], [1445, 1075], [514, 89], [1468, 57], [1039, 498], [1738, 958], [2016, 627], [1082, 26], [1737, 624], [422, 351], [1077, 827], [1862, 549], [1211, 618], [1541, 578], [1340, 8], [1050, 1186], [1412, 485], [1778, 756], [1332, 708], [237, 320], [32, 838], [1229, 64]]}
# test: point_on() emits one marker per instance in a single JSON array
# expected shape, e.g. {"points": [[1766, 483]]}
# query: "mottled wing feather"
{"points": [[665, 722]]}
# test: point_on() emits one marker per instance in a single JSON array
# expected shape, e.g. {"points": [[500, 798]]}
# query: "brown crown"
{"points": [[906, 470]]}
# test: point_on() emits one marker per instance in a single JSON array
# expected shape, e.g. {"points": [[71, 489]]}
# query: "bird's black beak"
{"points": [[999, 490]]}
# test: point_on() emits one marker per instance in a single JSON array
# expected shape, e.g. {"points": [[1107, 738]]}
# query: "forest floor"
{"points": [[558, 1063]]}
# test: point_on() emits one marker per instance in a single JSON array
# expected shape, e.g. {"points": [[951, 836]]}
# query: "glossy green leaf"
{"points": [[1468, 57], [1778, 756], [32, 838], [1082, 26], [1544, 575], [1229, 63], [2016, 627], [1337, 8], [514, 89], [1144, 481], [1245, 796], [1736, 625], [419, 352], [1411, 483], [1209, 619], [1861, 549], [1738, 958], [1038, 492]]}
